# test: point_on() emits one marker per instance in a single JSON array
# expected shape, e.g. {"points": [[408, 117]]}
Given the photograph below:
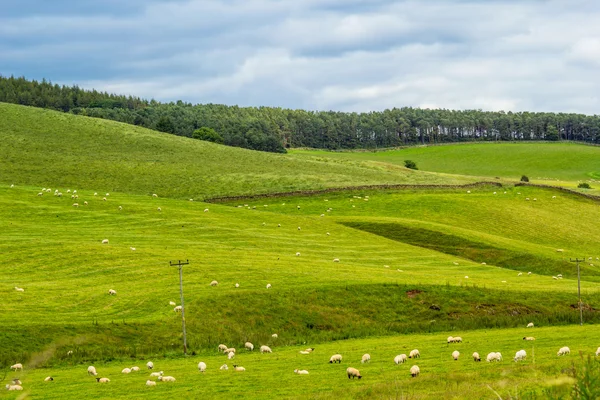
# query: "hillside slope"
{"points": [[42, 148]]}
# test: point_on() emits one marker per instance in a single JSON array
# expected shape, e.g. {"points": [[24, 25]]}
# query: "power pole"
{"points": [[180, 264], [577, 260]]}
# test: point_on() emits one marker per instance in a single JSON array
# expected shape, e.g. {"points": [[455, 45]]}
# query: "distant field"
{"points": [[551, 163]]}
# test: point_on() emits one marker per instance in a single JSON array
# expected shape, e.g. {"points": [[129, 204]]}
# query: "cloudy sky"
{"points": [[347, 55]]}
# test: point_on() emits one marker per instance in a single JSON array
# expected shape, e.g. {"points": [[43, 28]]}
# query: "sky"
{"points": [[344, 55]]}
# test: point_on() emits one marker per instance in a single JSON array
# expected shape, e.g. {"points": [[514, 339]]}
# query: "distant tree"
{"points": [[208, 134], [524, 178], [164, 124], [410, 164], [552, 133]]}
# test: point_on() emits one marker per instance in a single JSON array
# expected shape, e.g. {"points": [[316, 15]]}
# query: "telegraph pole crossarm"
{"points": [[180, 264], [577, 260]]}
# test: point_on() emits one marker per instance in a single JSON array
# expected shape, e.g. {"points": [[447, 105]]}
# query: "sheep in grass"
{"points": [[16, 367], [19, 289], [265, 349], [154, 195], [92, 370], [202, 366], [237, 285], [156, 374], [298, 254], [222, 347], [304, 352], [520, 355], [563, 351], [126, 371], [301, 372], [214, 283], [274, 336], [230, 355], [353, 373], [172, 303], [48, 379], [598, 352], [309, 350], [336, 260], [206, 210], [159, 209], [455, 355], [415, 371], [112, 292], [16, 381], [336, 358], [249, 346], [224, 367], [150, 383], [494, 356], [135, 369], [414, 354], [14, 387], [530, 325], [400, 359], [150, 365], [102, 380], [166, 379], [528, 338], [269, 286], [229, 350], [238, 368], [476, 357], [178, 309], [104, 241], [365, 358]]}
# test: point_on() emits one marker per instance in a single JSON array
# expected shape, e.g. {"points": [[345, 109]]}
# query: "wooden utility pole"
{"points": [[577, 260], [180, 264]]}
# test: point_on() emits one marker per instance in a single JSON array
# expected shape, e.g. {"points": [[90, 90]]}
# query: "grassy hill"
{"points": [[549, 163], [410, 269], [43, 148]]}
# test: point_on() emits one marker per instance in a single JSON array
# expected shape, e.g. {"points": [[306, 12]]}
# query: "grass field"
{"points": [[561, 164], [411, 271]]}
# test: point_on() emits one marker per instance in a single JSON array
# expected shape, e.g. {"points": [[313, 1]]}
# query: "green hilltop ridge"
{"points": [[413, 267]]}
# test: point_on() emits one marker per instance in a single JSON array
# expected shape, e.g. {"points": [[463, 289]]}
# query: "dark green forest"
{"points": [[275, 129]]}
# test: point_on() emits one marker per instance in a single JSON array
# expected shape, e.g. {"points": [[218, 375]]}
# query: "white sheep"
{"points": [[150, 383], [400, 359], [95, 193], [19, 289], [40, 194], [265, 349], [178, 309], [336, 358], [230, 355], [336, 260], [237, 285], [104, 199], [126, 371], [563, 351], [107, 194], [14, 387], [150, 365], [304, 352], [135, 369], [172, 303], [214, 283], [206, 210], [112, 292], [202, 366], [529, 273], [222, 348], [191, 199], [48, 379], [455, 355], [102, 380], [224, 367], [414, 354], [298, 254], [229, 350], [104, 241], [249, 346], [159, 209], [365, 358], [494, 356], [92, 370], [17, 366], [529, 338], [476, 356], [275, 336], [353, 373], [75, 204], [415, 371], [301, 371], [519, 274], [120, 208], [530, 325], [85, 203], [520, 355], [154, 195], [238, 368], [166, 379], [156, 374], [268, 286], [598, 352]]}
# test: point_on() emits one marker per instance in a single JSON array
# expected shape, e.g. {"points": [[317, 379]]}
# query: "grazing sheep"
{"points": [[414, 354], [126, 371], [309, 350], [75, 204], [214, 283], [17, 381], [304, 352], [104, 241], [191, 199], [112, 292], [238, 368], [529, 273], [85, 203], [353, 373], [476, 357], [202, 366], [555, 278], [298, 254], [336, 358], [19, 289], [249, 346], [104, 199], [365, 358], [327, 233], [563, 351], [150, 383], [229, 350], [107, 194], [135, 369], [172, 303], [178, 309], [17, 366], [120, 208], [468, 191], [102, 380], [224, 367], [598, 352], [150, 365], [455, 355], [274, 336], [40, 194], [166, 379], [154, 195], [230, 355], [400, 359], [237, 285], [12, 186], [223, 347], [519, 274], [336, 260], [494, 356], [70, 352], [299, 228], [301, 371], [92, 370], [265, 349], [520, 355], [14, 387], [528, 338], [159, 209], [268, 286], [206, 210], [156, 374], [559, 250], [48, 379], [530, 325], [415, 371]]}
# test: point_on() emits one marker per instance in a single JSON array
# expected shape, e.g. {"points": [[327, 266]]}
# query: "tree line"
{"points": [[275, 129]]}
